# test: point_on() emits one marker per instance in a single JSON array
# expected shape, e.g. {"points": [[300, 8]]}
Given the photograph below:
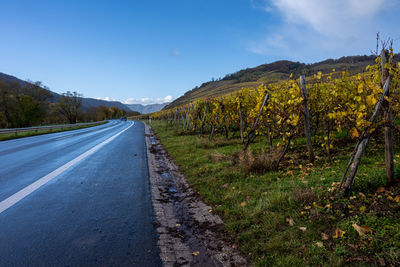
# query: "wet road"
{"points": [[77, 198]]}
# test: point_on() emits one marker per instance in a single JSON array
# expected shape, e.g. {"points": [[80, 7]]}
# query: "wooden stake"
{"points": [[252, 134], [307, 130], [361, 146], [388, 125]]}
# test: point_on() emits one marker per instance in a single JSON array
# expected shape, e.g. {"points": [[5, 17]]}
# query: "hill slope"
{"points": [[86, 102], [273, 72], [145, 109]]}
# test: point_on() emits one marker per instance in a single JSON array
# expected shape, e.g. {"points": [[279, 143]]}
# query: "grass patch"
{"points": [[289, 216], [4, 137]]}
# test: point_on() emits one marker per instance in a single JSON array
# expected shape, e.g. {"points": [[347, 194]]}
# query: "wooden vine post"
{"points": [[252, 133], [306, 118], [241, 120], [215, 124], [388, 124], [362, 144]]}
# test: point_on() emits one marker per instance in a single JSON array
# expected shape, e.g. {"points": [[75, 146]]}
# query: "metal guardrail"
{"points": [[50, 127]]}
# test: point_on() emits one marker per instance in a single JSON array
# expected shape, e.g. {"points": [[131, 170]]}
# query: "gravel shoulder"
{"points": [[189, 233]]}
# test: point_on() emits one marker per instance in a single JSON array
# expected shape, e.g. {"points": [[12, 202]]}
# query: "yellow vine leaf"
{"points": [[339, 233], [354, 133], [371, 100], [360, 88]]}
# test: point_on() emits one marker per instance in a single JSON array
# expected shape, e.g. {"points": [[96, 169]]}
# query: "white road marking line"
{"points": [[12, 200]]}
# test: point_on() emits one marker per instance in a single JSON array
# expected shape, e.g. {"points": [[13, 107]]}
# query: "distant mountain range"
{"points": [[145, 109], [86, 102], [269, 73]]}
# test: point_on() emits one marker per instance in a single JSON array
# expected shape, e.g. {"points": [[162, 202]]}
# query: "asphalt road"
{"points": [[77, 198]]}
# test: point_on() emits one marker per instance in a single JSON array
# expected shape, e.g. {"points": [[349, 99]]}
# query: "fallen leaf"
{"points": [[354, 259], [319, 244], [397, 199], [353, 246], [363, 208], [324, 236], [382, 262], [290, 221], [244, 203], [234, 246], [196, 253], [339, 233], [366, 242], [362, 230], [362, 196], [380, 189], [225, 185], [303, 228], [210, 210]]}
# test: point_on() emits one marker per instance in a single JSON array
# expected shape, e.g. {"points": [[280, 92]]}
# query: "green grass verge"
{"points": [[4, 137], [290, 217]]}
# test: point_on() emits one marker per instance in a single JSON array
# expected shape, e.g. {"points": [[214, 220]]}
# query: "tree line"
{"points": [[31, 104]]}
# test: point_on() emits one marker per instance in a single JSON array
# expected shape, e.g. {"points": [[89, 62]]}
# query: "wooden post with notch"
{"points": [[362, 144], [388, 124], [306, 118]]}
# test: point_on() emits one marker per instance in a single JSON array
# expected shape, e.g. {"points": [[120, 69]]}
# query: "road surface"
{"points": [[77, 198]]}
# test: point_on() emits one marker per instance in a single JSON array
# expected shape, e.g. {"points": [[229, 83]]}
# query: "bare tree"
{"points": [[69, 106]]}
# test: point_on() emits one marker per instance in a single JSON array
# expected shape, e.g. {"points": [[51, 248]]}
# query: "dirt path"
{"points": [[189, 233]]}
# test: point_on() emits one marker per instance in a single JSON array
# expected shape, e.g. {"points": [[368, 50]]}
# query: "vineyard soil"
{"points": [[291, 216]]}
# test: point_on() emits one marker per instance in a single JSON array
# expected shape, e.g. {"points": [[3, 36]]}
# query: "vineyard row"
{"points": [[323, 107]]}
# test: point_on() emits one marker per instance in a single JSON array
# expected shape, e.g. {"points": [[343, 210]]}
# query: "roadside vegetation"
{"points": [[9, 136], [303, 171], [291, 216]]}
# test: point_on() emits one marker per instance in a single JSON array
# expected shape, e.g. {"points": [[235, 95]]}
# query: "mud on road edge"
{"points": [[189, 233]]}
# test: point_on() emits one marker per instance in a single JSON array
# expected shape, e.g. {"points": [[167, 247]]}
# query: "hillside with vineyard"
{"points": [[303, 169], [272, 72]]}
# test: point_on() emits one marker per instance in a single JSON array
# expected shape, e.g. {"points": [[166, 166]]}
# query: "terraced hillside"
{"points": [[267, 73]]}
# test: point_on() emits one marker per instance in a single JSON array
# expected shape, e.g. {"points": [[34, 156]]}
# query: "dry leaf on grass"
{"points": [[303, 228], [290, 221], [339, 233], [324, 236], [244, 203], [362, 230], [380, 189], [225, 185]]}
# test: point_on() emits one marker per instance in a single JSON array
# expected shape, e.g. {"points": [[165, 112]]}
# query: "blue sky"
{"points": [[152, 51]]}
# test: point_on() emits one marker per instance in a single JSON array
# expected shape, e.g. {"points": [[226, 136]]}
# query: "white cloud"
{"points": [[310, 30], [109, 99], [329, 16], [148, 101]]}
